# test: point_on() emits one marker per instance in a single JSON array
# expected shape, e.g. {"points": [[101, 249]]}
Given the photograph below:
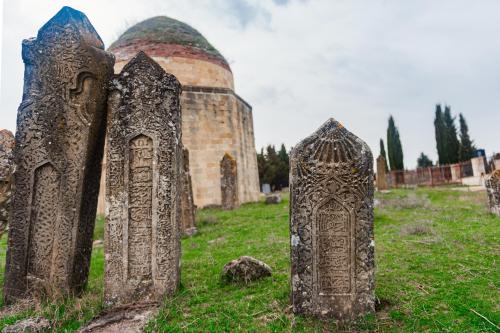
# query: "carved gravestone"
{"points": [[331, 224], [381, 174], [188, 209], [228, 183], [58, 152], [143, 184], [6, 169], [493, 190]]}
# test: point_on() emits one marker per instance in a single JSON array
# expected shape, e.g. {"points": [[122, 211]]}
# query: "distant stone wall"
{"points": [[215, 121]]}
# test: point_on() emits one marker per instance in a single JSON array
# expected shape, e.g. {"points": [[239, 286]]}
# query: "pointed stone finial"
{"points": [[68, 16], [142, 68], [331, 224]]}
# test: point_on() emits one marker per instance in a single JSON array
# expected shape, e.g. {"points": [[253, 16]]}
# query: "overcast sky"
{"points": [[300, 62]]}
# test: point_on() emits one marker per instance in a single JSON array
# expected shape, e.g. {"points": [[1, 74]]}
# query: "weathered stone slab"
{"points": [[493, 190], [229, 182], [6, 169], [331, 224], [143, 184], [124, 319], [188, 209], [58, 152], [31, 325], [381, 174]]}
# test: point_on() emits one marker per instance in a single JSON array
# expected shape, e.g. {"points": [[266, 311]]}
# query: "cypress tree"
{"points": [[382, 153], [283, 169], [452, 144], [423, 161], [394, 147], [261, 165], [466, 144], [439, 129], [272, 161]]}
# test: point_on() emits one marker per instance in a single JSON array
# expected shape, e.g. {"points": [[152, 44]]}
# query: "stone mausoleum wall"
{"points": [[215, 120]]}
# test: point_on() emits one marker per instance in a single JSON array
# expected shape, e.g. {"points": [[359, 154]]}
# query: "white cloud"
{"points": [[301, 62]]}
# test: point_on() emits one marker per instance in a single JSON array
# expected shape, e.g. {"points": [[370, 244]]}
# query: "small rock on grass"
{"points": [[245, 269], [273, 199], [32, 325]]}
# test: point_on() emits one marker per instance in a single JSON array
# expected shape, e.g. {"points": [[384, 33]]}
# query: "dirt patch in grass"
{"points": [[421, 228], [410, 201]]}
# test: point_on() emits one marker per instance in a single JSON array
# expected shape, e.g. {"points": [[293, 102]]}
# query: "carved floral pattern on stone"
{"points": [[331, 224], [58, 152], [143, 184]]}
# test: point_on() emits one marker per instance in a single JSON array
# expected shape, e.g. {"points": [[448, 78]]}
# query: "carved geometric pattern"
{"points": [[331, 224], [59, 120], [143, 184], [43, 221], [333, 254], [140, 207]]}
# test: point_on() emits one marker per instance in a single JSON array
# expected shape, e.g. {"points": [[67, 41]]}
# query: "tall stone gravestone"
{"points": [[58, 152], [143, 184], [493, 190], [6, 170], [331, 224], [381, 174], [229, 182], [188, 209]]}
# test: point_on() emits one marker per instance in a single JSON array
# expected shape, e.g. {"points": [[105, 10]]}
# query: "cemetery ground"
{"points": [[437, 270]]}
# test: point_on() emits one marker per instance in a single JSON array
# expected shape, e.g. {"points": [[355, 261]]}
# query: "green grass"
{"points": [[437, 255]]}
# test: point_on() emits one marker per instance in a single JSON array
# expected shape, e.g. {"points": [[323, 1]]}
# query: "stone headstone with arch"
{"points": [[331, 225], [143, 184], [58, 152]]}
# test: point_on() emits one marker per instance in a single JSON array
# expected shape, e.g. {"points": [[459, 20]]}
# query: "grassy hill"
{"points": [[437, 256]]}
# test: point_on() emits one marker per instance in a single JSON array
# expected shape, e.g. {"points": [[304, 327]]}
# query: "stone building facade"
{"points": [[215, 120]]}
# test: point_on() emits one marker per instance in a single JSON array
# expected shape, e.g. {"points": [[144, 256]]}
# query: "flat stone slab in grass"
{"points": [[245, 269], [130, 319], [273, 199], [32, 325]]}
